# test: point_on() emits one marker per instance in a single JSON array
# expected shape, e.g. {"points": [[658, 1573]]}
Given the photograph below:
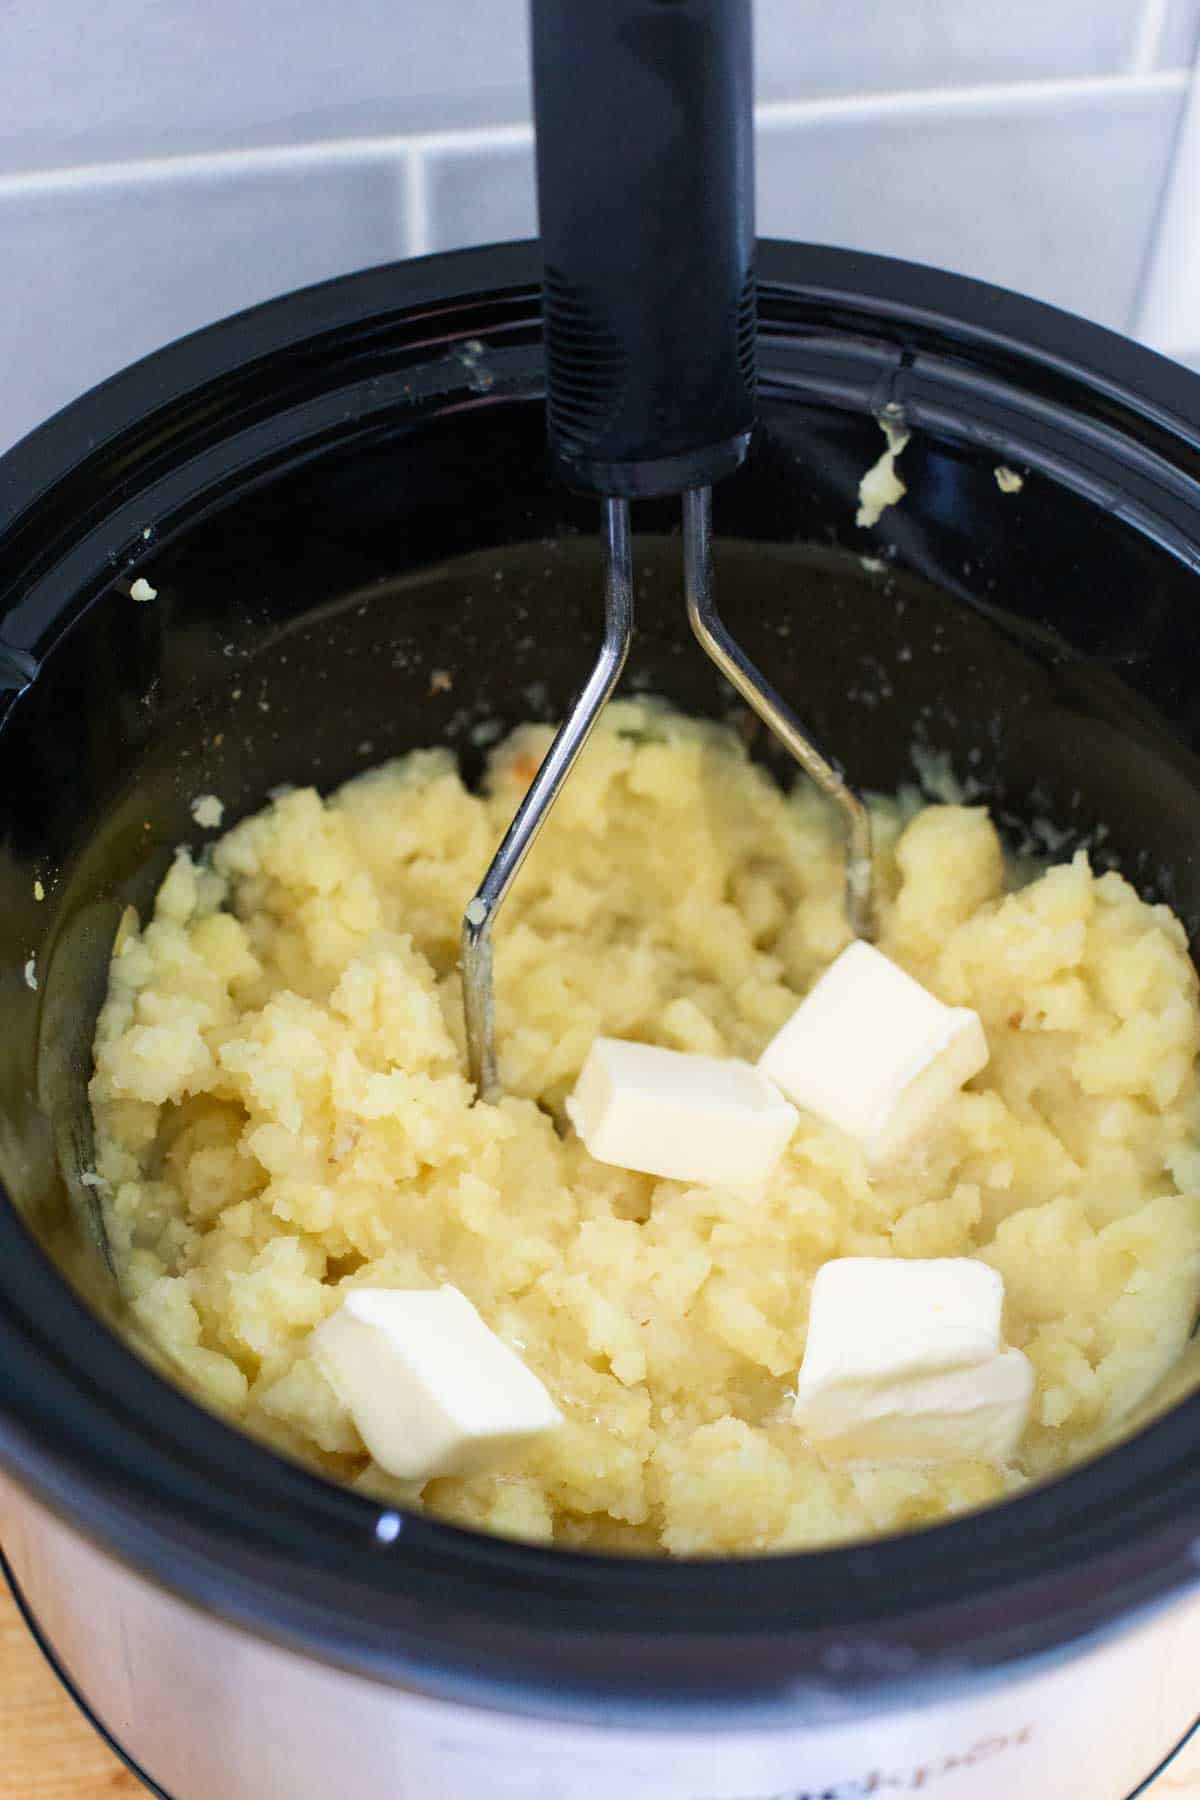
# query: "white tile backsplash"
{"points": [[88, 82], [481, 195], [105, 269], [1055, 197], [1168, 314], [165, 161], [1181, 28], [805, 48]]}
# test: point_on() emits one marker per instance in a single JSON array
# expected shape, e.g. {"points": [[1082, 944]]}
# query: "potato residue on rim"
{"points": [[282, 1113]]}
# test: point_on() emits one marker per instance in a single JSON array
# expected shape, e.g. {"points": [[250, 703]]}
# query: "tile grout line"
{"points": [[416, 203], [261, 158], [419, 146], [906, 102], [1149, 37]]}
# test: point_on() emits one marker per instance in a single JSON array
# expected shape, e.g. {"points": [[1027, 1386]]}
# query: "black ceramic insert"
{"points": [[340, 496]]}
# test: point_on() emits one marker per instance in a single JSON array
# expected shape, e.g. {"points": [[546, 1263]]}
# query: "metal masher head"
{"points": [[573, 734]]}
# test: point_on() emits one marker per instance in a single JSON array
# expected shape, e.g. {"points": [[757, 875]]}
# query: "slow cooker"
{"points": [[333, 495]]}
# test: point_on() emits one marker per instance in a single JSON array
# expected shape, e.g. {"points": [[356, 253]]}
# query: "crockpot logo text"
{"points": [[909, 1781]]}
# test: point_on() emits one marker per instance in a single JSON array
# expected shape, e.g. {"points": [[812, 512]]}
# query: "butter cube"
{"points": [[711, 1120], [873, 1052], [432, 1390], [904, 1363]]}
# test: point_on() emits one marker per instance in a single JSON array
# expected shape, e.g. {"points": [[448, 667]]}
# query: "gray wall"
{"points": [[163, 162]]}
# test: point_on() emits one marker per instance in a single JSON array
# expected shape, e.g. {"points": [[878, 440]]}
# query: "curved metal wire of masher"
{"points": [[573, 734]]}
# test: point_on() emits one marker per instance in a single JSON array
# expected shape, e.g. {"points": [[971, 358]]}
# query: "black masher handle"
{"points": [[645, 160]]}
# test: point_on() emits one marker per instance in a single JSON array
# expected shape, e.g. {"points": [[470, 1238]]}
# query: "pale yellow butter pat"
{"points": [[904, 1363], [431, 1389], [873, 1052], [714, 1121]]}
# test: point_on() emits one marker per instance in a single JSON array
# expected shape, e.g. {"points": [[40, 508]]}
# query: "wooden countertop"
{"points": [[49, 1752]]}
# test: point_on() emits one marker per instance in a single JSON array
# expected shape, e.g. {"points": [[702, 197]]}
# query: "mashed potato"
{"points": [[282, 1114]]}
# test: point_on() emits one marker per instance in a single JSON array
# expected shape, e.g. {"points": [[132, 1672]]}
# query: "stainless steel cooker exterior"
{"points": [[210, 1710]]}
